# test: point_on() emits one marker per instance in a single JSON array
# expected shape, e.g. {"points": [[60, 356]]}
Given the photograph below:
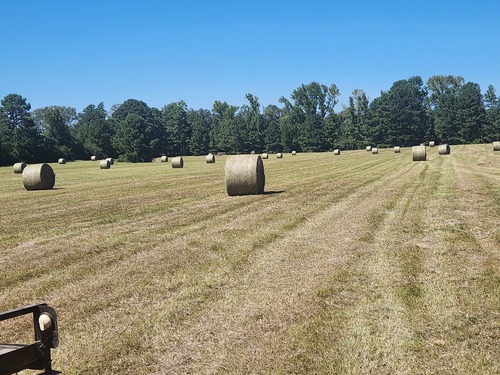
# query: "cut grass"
{"points": [[354, 265]]}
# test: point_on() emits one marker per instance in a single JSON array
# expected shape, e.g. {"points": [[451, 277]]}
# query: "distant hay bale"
{"points": [[336, 152], [61, 161], [279, 155], [265, 155], [104, 164], [177, 162], [294, 152], [38, 177], [164, 159], [397, 149], [368, 148], [111, 161], [19, 167], [210, 158], [252, 152], [422, 144], [93, 158], [496, 146], [444, 149], [374, 150], [244, 175], [431, 143], [419, 153]]}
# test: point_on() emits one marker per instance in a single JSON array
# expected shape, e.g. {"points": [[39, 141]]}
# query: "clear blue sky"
{"points": [[76, 53]]}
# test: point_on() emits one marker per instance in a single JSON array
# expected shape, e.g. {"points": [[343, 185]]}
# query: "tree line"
{"points": [[445, 109]]}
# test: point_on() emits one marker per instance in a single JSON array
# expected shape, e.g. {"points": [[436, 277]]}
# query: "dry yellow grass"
{"points": [[350, 265]]}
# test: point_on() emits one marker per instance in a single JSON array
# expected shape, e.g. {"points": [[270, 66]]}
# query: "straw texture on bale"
{"points": [[431, 143], [265, 155], [496, 146], [164, 159], [177, 162], [62, 161], [368, 148], [104, 164], [294, 152], [38, 177], [111, 161], [19, 167], [419, 153], [374, 150], [279, 155], [397, 149], [210, 158], [244, 175], [93, 158], [444, 149], [336, 152]]}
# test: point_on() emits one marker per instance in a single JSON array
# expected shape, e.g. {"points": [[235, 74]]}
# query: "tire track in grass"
{"points": [[253, 328]]}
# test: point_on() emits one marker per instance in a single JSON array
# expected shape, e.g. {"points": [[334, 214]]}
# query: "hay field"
{"points": [[352, 264]]}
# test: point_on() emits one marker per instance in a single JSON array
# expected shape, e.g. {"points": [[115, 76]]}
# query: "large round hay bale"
{"points": [[104, 164], [210, 158], [244, 175], [496, 146], [61, 161], [397, 149], [38, 177], [294, 152], [19, 167], [374, 150], [93, 158], [164, 159], [111, 161], [368, 148], [444, 149], [177, 162], [279, 155], [431, 143], [336, 151], [419, 153], [265, 155]]}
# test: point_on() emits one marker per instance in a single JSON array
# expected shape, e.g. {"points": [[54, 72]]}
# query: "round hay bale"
{"points": [[444, 149], [38, 177], [104, 164], [19, 167], [419, 153], [164, 159], [177, 162], [93, 158], [279, 155], [210, 158], [368, 148], [336, 152], [111, 161], [252, 152], [265, 155], [61, 161], [431, 143], [374, 150], [496, 146], [397, 149], [294, 152], [244, 175]]}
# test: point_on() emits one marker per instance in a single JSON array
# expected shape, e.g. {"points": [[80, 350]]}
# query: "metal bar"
{"points": [[21, 311]]}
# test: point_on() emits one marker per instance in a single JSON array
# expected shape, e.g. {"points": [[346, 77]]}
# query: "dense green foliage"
{"points": [[444, 109]]}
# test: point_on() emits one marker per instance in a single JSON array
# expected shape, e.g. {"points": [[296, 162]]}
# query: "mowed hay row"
{"points": [[144, 286]]}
